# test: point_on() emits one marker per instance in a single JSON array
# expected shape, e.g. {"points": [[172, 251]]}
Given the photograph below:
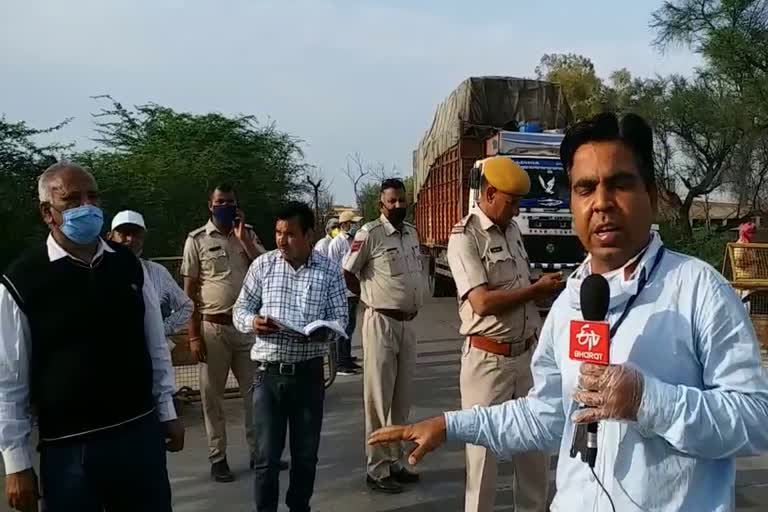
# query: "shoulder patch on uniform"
{"points": [[197, 232], [460, 226]]}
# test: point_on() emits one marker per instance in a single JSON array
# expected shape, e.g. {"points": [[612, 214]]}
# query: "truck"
{"points": [[486, 116]]}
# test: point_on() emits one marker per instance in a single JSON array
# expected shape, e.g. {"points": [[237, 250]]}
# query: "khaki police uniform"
{"points": [[392, 285], [220, 263], [480, 253]]}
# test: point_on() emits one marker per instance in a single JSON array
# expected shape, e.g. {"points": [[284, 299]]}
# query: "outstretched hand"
{"points": [[427, 435]]}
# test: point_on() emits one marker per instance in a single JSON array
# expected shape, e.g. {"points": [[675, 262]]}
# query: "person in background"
{"points": [[501, 322], [216, 258], [684, 393], [337, 251], [296, 285], [82, 349], [383, 267], [129, 229], [331, 230], [747, 232]]}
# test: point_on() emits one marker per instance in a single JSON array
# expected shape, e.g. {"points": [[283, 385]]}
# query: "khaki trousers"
{"points": [[389, 358], [487, 379], [226, 349]]}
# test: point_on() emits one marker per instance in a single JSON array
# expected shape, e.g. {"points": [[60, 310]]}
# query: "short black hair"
{"points": [[300, 211], [632, 130], [389, 183], [227, 188]]}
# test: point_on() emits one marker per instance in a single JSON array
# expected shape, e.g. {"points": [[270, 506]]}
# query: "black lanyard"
{"points": [[643, 281]]}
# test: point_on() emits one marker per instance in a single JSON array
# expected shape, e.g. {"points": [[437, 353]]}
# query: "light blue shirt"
{"points": [[704, 403]]}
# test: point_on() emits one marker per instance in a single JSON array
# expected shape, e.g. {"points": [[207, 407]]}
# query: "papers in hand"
{"points": [[319, 331]]}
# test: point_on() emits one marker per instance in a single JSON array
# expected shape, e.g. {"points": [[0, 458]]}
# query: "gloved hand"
{"points": [[612, 392]]}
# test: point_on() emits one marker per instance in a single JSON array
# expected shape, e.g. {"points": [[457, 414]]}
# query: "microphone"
{"points": [[590, 340]]}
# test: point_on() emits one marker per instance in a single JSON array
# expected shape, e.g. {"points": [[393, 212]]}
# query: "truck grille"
{"points": [[553, 249]]}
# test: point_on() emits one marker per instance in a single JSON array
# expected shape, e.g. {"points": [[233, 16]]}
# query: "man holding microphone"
{"points": [[684, 393], [501, 322]]}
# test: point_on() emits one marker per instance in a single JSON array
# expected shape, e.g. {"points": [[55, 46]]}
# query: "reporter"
{"points": [[685, 393]]}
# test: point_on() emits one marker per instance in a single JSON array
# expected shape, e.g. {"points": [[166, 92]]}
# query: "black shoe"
{"points": [[404, 476], [346, 370], [284, 466], [220, 472], [355, 366], [385, 485]]}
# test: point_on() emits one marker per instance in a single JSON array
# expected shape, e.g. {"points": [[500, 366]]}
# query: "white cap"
{"points": [[348, 216], [128, 217]]}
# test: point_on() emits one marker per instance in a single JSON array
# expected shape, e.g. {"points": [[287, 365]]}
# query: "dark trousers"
{"points": [[282, 402], [345, 346], [122, 469]]}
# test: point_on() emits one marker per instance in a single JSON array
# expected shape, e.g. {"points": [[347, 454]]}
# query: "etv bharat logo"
{"points": [[587, 337]]}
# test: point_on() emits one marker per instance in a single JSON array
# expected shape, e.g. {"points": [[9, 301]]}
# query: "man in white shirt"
{"points": [[129, 229], [82, 347], [331, 228], [337, 251]]}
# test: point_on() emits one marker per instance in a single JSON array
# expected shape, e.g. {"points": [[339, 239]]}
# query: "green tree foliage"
{"points": [[163, 163], [21, 160], [699, 124], [732, 35], [576, 76]]}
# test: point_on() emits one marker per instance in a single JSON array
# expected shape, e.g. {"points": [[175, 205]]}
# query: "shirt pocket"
{"points": [[500, 266], [214, 260], [395, 261], [413, 257]]}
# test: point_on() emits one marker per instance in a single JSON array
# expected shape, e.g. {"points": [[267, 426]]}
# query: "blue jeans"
{"points": [[345, 346], [122, 469], [282, 402]]}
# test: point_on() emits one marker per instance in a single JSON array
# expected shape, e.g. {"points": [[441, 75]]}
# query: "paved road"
{"points": [[340, 485]]}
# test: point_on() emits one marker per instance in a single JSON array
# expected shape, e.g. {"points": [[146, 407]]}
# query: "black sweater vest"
{"points": [[90, 368]]}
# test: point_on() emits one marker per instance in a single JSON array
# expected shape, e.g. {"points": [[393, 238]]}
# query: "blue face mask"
{"points": [[225, 214], [83, 224], [352, 231]]}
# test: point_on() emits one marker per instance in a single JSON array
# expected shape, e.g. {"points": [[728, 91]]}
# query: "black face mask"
{"points": [[395, 215], [225, 214]]}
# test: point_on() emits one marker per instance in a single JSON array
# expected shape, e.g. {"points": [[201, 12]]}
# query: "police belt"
{"points": [[498, 348]]}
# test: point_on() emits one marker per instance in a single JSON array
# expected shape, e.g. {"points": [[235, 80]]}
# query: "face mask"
{"points": [[83, 224], [334, 232], [395, 215], [225, 214], [353, 231]]}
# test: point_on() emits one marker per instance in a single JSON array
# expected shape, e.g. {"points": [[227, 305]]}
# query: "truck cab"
{"points": [[545, 218]]}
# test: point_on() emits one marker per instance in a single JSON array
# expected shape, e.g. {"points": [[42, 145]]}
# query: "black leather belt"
{"points": [[289, 369]]}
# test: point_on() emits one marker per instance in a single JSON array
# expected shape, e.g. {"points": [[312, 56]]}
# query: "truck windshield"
{"points": [[549, 184]]}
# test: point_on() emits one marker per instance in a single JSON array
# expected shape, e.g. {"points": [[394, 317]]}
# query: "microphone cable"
{"points": [[610, 500]]}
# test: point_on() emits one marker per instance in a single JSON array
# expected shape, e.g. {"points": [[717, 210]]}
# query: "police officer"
{"points": [[383, 267], [501, 322], [216, 258]]}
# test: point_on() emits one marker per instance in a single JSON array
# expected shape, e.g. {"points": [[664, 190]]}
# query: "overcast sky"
{"points": [[344, 76]]}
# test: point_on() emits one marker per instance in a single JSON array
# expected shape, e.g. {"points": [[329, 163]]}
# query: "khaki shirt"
{"points": [[388, 265], [220, 263], [479, 253]]}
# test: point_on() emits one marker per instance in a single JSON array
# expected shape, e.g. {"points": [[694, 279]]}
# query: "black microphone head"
{"points": [[594, 296]]}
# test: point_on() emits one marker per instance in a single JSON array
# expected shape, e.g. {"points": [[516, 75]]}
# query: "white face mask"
{"points": [[622, 288]]}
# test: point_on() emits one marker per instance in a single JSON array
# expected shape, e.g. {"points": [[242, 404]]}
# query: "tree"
{"points": [[699, 124], [732, 35], [22, 160], [162, 162], [577, 78]]}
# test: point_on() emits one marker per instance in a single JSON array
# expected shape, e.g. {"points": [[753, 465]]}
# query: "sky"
{"points": [[343, 76]]}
